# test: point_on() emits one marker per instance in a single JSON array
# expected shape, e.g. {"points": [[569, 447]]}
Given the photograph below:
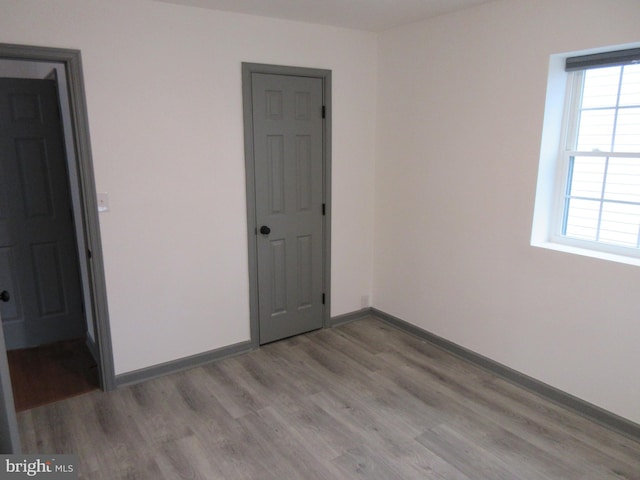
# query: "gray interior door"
{"points": [[288, 155], [38, 253]]}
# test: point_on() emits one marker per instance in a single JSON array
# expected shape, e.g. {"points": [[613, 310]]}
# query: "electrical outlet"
{"points": [[103, 202]]}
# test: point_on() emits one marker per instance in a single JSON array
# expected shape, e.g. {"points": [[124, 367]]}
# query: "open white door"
{"points": [[9, 438]]}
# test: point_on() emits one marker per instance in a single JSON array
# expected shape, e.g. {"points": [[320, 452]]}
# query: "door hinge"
{"points": [[323, 298], [88, 253], [324, 209], [324, 111]]}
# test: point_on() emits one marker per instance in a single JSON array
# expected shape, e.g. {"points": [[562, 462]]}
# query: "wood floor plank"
{"points": [[235, 449], [343, 345], [362, 400], [603, 439], [420, 354], [469, 457], [236, 399], [454, 374], [186, 458], [285, 457], [323, 434], [516, 418], [363, 462]]}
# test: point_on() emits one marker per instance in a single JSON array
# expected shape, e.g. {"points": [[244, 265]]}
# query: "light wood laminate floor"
{"points": [[362, 400]]}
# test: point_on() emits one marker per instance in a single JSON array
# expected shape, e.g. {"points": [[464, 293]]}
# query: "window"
{"points": [[595, 203]]}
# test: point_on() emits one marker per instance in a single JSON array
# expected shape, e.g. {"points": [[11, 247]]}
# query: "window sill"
{"points": [[586, 252]]}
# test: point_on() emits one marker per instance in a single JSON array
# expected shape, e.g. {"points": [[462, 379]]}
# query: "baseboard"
{"points": [[348, 317], [181, 364], [599, 415]]}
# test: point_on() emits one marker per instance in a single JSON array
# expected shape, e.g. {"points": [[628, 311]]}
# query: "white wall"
{"points": [[460, 109], [165, 111]]}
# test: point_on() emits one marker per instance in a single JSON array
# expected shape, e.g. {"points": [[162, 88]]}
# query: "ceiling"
{"points": [[370, 15]]}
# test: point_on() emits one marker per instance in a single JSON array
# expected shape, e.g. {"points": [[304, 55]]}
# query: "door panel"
{"points": [[48, 278], [37, 236], [288, 155]]}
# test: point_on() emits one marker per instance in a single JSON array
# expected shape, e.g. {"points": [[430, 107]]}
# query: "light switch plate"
{"points": [[103, 202]]}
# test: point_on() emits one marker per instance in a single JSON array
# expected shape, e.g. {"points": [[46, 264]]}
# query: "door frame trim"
{"points": [[247, 102], [9, 432], [72, 62]]}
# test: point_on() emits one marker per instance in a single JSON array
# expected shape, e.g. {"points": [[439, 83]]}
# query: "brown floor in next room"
{"points": [[50, 373]]}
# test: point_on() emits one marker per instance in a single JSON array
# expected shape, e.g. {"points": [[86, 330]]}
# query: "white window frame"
{"points": [[564, 91]]}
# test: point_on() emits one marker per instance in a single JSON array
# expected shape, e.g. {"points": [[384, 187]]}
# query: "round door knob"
{"points": [[264, 230], [4, 296]]}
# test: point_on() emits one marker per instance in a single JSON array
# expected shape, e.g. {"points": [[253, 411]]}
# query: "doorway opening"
{"points": [[78, 362]]}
